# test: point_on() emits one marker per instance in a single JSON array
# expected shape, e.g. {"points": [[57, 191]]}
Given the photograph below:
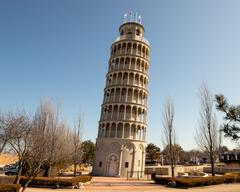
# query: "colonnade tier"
{"points": [[129, 62], [122, 121], [124, 112], [127, 78], [123, 94], [122, 130], [131, 47]]}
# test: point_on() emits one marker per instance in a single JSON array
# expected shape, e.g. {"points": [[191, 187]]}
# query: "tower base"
{"points": [[119, 157]]}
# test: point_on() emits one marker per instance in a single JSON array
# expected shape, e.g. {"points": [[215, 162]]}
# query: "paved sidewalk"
{"points": [[110, 184]]}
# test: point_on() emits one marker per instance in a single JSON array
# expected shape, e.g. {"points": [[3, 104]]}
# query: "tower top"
{"points": [[131, 20], [132, 27]]}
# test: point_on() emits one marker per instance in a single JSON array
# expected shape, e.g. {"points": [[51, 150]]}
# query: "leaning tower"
{"points": [[121, 141]]}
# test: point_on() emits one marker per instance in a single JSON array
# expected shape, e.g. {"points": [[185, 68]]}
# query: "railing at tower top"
{"points": [[132, 37]]}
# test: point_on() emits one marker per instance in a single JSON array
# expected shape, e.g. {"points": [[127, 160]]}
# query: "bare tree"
{"points": [[18, 129], [43, 142], [207, 134], [40, 141], [169, 137], [77, 139], [64, 156], [4, 137]]}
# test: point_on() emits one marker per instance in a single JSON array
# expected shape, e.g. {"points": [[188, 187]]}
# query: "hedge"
{"points": [[53, 181], [233, 173], [9, 187], [195, 182]]}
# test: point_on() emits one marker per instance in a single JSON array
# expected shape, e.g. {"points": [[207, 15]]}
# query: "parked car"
{"points": [[12, 171]]}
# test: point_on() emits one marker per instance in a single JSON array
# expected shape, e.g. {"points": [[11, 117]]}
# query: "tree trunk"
{"points": [[211, 148], [18, 177], [172, 168], [171, 154], [26, 184], [212, 167], [75, 169]]}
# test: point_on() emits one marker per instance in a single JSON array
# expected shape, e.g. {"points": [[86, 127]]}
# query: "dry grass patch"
{"points": [[7, 158]]}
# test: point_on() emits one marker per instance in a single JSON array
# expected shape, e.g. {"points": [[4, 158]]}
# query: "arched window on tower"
{"points": [[124, 48], [129, 48], [117, 94], [128, 113], [115, 112], [135, 96], [113, 130], [139, 114], [119, 130], [109, 112], [105, 113], [133, 131], [110, 80], [138, 32], [130, 93], [114, 50], [107, 130], [138, 64], [141, 80], [125, 78], [121, 112], [114, 78], [123, 94], [119, 49], [143, 50], [111, 95], [131, 78], [127, 63], [134, 48], [129, 34], [126, 130], [142, 67], [116, 65], [134, 114], [119, 78], [139, 50], [107, 95], [102, 134], [133, 63], [136, 82]]}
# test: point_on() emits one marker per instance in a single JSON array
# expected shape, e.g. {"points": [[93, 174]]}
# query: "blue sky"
{"points": [[59, 49]]}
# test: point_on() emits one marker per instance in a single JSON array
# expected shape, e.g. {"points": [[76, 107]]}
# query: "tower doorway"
{"points": [[113, 166]]}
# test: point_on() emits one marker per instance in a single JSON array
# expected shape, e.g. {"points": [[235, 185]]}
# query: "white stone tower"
{"points": [[121, 144]]}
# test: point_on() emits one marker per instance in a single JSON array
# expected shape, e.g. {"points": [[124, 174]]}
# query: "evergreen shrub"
{"points": [[54, 181], [196, 182], [9, 187]]}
